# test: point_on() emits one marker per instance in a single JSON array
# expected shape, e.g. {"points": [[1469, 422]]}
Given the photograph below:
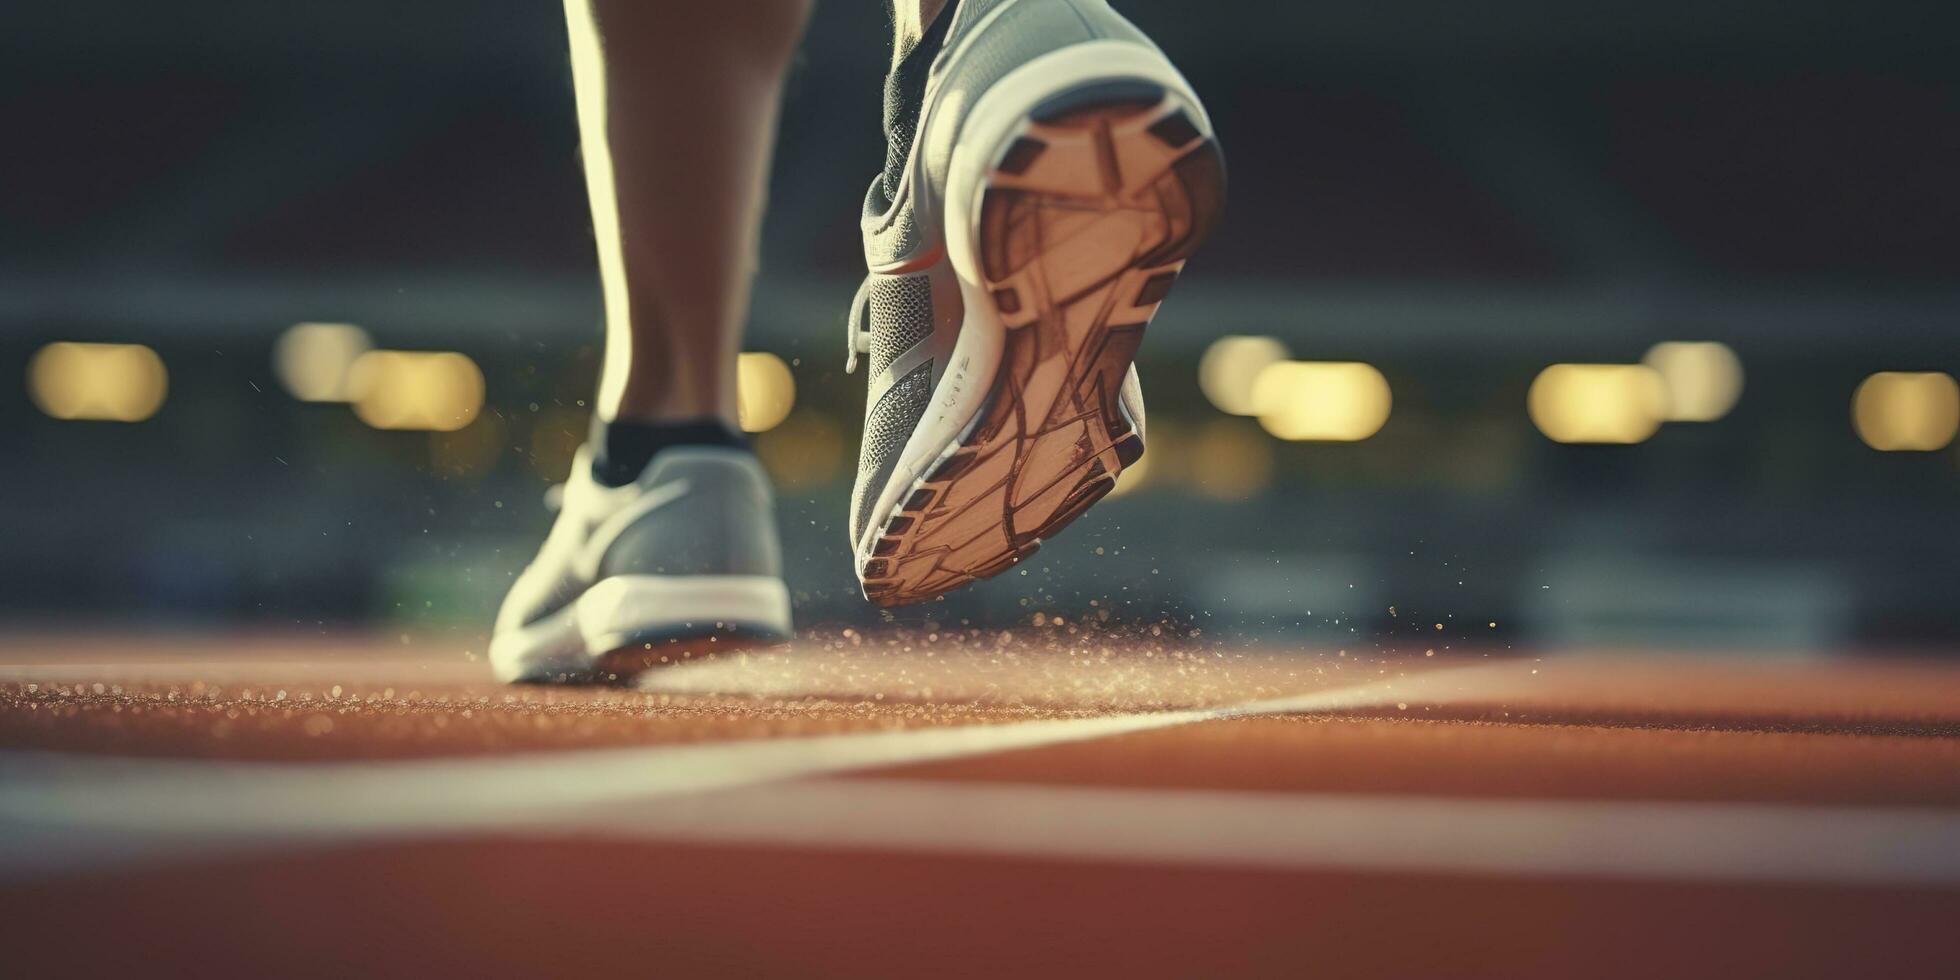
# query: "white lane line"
{"points": [[56, 804], [1681, 841]]}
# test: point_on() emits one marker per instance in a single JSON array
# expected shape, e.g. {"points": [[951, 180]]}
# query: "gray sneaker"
{"points": [[684, 560], [1060, 173]]}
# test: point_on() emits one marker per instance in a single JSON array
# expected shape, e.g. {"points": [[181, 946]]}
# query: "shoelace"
{"points": [[857, 327]]}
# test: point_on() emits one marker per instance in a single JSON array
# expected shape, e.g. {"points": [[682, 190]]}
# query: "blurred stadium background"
{"points": [[1530, 323]]}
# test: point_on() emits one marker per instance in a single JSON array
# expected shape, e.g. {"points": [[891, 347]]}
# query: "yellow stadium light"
{"points": [[1610, 403], [1325, 401], [396, 389], [1161, 465], [764, 391], [1704, 379], [1229, 461], [806, 450], [313, 359], [556, 434], [468, 451], [1230, 366], [98, 382], [1906, 411]]}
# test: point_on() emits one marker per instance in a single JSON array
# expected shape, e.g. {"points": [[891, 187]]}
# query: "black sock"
{"points": [[905, 94], [620, 450]]}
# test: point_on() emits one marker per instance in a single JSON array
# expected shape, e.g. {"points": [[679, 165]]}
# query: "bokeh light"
{"points": [[469, 451], [1137, 473], [1704, 379], [1132, 476], [98, 382], [1230, 461], [1229, 367], [1598, 403], [393, 389], [806, 450], [1163, 462], [1907, 411], [314, 360], [765, 391], [556, 434], [1326, 401]]}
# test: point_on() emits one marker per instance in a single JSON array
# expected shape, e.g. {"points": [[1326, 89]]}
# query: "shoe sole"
{"points": [[1089, 211]]}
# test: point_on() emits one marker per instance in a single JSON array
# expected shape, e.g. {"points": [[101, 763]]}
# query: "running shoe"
{"points": [[1058, 172], [680, 562]]}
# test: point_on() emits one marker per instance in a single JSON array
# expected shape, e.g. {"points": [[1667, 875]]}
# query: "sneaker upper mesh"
{"points": [[886, 429], [901, 316]]}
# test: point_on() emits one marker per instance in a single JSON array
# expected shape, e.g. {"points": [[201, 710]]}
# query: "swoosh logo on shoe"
{"points": [[586, 563]]}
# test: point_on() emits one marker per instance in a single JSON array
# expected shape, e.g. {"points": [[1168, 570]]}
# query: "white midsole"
{"points": [[975, 359], [616, 610]]}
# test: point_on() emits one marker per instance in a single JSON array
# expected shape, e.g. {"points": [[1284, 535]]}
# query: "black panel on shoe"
{"points": [[1021, 155], [1155, 289], [1102, 96], [621, 449], [1174, 130]]}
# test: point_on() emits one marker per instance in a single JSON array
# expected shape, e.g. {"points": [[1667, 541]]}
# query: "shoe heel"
{"points": [[1107, 180], [1086, 187]]}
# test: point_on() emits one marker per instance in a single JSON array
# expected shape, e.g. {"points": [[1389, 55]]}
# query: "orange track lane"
{"points": [[504, 903]]}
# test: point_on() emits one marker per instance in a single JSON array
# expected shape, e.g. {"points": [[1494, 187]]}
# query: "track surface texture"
{"points": [[1055, 801]]}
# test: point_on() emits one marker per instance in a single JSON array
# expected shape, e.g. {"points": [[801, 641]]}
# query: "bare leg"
{"points": [[677, 107]]}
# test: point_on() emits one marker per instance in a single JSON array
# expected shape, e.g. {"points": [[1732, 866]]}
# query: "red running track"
{"points": [[968, 806]]}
